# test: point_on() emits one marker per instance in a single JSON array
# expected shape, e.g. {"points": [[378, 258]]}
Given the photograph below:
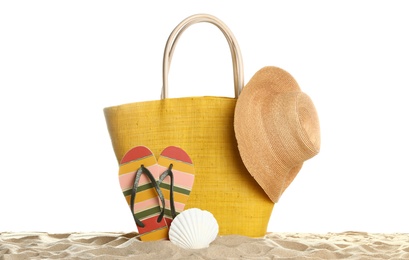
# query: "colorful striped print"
{"points": [[183, 174], [147, 206]]}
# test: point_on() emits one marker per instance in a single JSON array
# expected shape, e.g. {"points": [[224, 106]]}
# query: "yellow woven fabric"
{"points": [[203, 127]]}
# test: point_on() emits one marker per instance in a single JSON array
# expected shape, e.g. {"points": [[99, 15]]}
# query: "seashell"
{"points": [[193, 229]]}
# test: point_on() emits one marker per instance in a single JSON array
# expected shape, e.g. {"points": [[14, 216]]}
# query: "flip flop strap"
{"points": [[169, 173], [138, 174]]}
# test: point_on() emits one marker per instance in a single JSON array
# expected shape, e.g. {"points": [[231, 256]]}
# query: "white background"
{"points": [[62, 62]]}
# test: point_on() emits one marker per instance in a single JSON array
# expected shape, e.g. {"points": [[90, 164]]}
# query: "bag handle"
{"points": [[234, 49]]}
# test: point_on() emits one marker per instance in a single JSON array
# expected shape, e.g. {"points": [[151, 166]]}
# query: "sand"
{"points": [[347, 245]]}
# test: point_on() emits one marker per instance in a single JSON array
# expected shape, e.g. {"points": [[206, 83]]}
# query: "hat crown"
{"points": [[308, 118], [291, 128]]}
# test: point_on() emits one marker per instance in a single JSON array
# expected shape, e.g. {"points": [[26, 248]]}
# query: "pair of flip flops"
{"points": [[156, 190]]}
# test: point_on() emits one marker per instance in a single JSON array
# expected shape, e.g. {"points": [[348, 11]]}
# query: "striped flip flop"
{"points": [[176, 180], [138, 172]]}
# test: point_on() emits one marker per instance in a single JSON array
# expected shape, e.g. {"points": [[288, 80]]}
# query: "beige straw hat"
{"points": [[277, 129]]}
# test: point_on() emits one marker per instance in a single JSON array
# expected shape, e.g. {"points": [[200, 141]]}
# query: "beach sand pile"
{"points": [[346, 245]]}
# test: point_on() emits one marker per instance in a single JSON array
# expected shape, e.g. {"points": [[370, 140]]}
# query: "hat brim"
{"points": [[252, 140]]}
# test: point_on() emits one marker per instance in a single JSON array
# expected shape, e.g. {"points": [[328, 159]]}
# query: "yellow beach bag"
{"points": [[203, 127]]}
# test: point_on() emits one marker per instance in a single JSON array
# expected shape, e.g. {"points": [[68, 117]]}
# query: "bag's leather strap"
{"points": [[234, 49]]}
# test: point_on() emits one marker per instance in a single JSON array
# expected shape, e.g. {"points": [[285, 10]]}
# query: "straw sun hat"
{"points": [[277, 129]]}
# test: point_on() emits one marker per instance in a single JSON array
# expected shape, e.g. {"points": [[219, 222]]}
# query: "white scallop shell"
{"points": [[193, 229]]}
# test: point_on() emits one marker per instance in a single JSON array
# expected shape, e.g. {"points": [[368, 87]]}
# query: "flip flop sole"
{"points": [[183, 174], [146, 206]]}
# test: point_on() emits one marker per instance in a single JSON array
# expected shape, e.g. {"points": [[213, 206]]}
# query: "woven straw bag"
{"points": [[203, 127]]}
